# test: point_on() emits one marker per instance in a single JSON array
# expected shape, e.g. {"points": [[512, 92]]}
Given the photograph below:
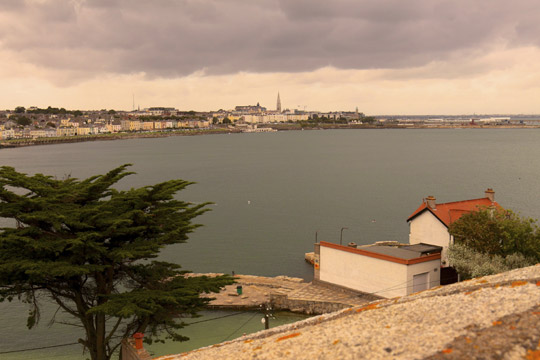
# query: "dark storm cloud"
{"points": [[177, 37]]}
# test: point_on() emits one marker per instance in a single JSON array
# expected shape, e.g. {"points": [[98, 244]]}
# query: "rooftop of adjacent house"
{"points": [[449, 212], [402, 251], [495, 316]]}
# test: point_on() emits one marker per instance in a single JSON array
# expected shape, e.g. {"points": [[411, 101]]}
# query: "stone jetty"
{"points": [[283, 293]]}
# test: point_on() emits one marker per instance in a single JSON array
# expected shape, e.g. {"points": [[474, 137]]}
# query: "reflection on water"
{"points": [[210, 328], [227, 325]]}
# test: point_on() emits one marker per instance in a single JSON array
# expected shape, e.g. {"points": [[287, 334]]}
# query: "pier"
{"points": [[284, 293]]}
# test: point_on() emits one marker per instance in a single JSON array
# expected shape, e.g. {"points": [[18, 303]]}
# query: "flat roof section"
{"points": [[391, 253], [398, 252], [424, 249]]}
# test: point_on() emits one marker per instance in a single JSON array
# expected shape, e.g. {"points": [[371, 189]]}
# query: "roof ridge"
{"points": [[453, 202]]}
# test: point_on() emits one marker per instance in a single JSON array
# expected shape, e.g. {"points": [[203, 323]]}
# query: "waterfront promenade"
{"points": [[284, 293]]}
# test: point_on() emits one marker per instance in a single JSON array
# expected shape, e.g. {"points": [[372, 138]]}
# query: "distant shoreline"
{"points": [[15, 143]]}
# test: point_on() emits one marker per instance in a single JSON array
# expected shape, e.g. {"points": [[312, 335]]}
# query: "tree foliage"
{"points": [[493, 240], [368, 120], [92, 249], [53, 111], [470, 263], [22, 120], [497, 232]]}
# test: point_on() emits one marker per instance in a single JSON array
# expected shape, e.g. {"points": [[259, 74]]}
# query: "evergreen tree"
{"points": [[92, 249]]}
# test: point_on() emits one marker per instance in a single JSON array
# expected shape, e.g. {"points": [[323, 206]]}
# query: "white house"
{"points": [[385, 269], [430, 222]]}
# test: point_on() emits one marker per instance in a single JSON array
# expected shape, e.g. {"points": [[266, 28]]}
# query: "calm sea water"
{"points": [[273, 192]]}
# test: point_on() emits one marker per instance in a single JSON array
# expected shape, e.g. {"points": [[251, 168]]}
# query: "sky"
{"points": [[383, 56]]}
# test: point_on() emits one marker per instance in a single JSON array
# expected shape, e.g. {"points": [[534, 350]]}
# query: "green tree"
{"points": [[491, 240], [20, 109], [227, 121], [368, 120], [470, 263], [91, 249], [23, 121], [497, 232]]}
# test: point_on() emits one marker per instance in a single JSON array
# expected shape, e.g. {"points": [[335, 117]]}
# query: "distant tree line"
{"points": [[48, 111]]}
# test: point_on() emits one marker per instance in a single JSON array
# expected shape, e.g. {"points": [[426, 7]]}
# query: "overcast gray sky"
{"points": [[384, 56]]}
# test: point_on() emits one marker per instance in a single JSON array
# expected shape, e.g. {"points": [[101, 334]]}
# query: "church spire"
{"points": [[278, 106]]}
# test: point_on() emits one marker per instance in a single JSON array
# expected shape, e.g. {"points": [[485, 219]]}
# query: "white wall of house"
{"points": [[362, 273], [431, 268], [427, 229], [372, 275]]}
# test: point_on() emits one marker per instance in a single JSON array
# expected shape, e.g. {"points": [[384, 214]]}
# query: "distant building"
{"points": [[274, 118], [158, 110], [250, 109], [278, 106], [66, 131]]}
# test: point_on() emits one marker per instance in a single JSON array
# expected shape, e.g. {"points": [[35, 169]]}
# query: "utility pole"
{"points": [[266, 309]]}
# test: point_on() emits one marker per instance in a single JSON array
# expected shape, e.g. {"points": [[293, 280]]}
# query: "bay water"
{"points": [[274, 194]]}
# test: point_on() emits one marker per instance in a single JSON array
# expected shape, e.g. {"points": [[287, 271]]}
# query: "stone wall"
{"points": [[310, 307]]}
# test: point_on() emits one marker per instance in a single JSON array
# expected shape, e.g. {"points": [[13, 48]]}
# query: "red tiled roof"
{"points": [[447, 213]]}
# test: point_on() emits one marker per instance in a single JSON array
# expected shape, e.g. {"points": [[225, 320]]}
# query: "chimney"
{"points": [[430, 200], [490, 194]]}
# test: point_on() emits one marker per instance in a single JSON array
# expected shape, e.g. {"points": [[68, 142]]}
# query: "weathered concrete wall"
{"points": [[344, 290], [374, 275], [432, 268], [363, 273], [310, 307]]}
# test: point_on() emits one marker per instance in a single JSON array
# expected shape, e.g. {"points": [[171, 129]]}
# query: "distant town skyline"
{"points": [[385, 57]]}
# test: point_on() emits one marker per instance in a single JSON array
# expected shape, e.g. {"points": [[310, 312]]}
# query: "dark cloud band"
{"points": [[171, 38]]}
